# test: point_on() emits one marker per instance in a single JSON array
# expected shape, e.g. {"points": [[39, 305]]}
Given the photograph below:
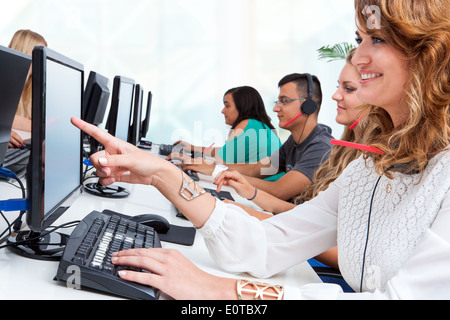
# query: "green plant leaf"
{"points": [[337, 52]]}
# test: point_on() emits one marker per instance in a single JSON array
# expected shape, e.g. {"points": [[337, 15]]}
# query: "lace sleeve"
{"points": [[241, 243]]}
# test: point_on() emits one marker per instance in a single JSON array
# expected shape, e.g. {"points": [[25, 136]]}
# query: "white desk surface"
{"points": [[23, 278]]}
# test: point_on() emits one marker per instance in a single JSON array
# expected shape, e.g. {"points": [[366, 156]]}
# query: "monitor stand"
{"points": [[39, 246], [113, 192]]}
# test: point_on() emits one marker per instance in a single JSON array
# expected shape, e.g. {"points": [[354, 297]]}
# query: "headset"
{"points": [[405, 168], [309, 106]]}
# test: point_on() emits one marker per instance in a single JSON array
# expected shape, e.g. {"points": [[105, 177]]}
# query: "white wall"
{"points": [[189, 52]]}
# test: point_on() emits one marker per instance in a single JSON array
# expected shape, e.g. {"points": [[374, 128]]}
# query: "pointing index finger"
{"points": [[96, 133]]}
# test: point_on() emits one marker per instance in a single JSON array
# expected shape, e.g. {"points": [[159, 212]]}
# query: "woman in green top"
{"points": [[252, 136]]}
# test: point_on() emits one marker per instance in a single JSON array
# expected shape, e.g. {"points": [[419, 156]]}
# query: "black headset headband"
{"points": [[310, 86]]}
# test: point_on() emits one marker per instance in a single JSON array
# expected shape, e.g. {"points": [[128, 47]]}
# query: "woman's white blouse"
{"points": [[408, 247]]}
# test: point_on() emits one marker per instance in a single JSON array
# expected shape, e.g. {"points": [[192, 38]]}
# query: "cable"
{"points": [[14, 205], [303, 130], [42, 235], [18, 222], [368, 226], [8, 224], [367, 236], [6, 173], [22, 206]]}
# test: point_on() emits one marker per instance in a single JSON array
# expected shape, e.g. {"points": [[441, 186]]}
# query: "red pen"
{"points": [[356, 146]]}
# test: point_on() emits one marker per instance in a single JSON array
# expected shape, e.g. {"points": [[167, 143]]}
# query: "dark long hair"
{"points": [[250, 105]]}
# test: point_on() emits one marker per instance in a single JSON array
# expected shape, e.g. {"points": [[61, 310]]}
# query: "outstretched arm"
{"points": [[123, 162]]}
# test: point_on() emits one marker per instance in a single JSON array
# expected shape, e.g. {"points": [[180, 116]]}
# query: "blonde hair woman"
{"points": [[348, 112], [388, 213], [24, 41]]}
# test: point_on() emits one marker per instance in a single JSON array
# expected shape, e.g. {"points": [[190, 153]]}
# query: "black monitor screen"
{"points": [[121, 105], [56, 146]]}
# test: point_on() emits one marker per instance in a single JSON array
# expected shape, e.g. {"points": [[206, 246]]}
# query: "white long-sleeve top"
{"points": [[408, 248]]}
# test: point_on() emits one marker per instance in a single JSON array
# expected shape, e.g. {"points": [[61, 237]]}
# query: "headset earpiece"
{"points": [[309, 106]]}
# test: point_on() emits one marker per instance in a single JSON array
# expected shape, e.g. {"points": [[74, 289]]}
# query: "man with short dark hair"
{"points": [[307, 147]]}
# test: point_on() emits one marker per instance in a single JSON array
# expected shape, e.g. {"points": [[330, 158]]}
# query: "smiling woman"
{"points": [[347, 101], [407, 55], [384, 69], [391, 222]]}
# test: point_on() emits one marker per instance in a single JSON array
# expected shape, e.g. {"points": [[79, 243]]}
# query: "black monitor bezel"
{"points": [[37, 220], [136, 115], [18, 66], [145, 124], [111, 124], [91, 109]]}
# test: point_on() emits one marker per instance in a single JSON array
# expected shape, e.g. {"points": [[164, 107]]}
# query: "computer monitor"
{"points": [[118, 124], [136, 116], [14, 68], [55, 166], [120, 112], [96, 98], [146, 119], [95, 102]]}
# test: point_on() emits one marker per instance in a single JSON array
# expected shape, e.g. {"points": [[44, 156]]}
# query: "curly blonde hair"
{"points": [[421, 30], [25, 41], [338, 159]]}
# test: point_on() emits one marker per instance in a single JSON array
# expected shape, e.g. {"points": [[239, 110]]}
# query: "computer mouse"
{"points": [[193, 175], [160, 224]]}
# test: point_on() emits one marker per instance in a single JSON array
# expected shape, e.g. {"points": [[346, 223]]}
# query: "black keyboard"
{"points": [[222, 195], [16, 160], [90, 247], [192, 174], [16, 156]]}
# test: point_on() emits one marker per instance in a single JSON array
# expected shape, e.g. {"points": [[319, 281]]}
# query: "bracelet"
{"points": [[259, 290], [193, 192], [256, 193]]}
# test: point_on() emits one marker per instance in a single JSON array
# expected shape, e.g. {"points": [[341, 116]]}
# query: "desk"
{"points": [[22, 278]]}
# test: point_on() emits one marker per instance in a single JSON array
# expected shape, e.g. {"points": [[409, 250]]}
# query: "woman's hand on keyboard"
{"points": [[173, 274], [238, 182], [184, 145], [198, 164], [16, 140]]}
